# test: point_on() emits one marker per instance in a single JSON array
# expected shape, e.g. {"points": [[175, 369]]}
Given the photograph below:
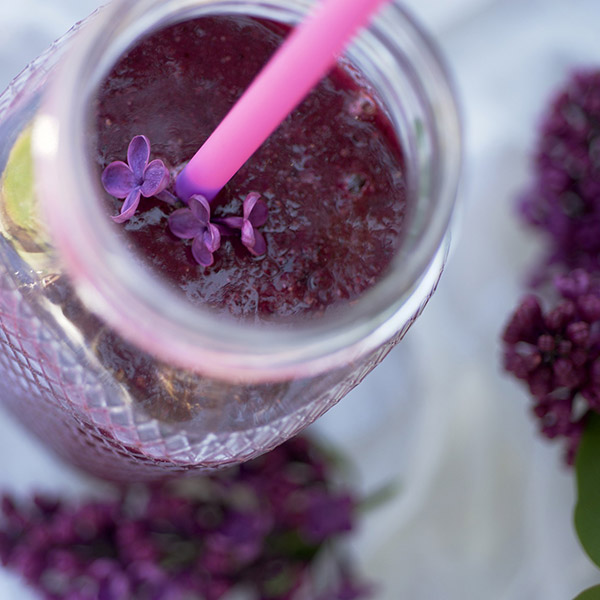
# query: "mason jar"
{"points": [[70, 285]]}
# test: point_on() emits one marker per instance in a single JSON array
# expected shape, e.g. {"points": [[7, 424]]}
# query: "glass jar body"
{"points": [[56, 385]]}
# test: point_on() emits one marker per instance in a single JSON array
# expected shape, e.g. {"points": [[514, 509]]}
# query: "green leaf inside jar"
{"points": [[18, 202]]}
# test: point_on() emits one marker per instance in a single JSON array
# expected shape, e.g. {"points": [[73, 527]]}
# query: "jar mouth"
{"points": [[133, 302]]}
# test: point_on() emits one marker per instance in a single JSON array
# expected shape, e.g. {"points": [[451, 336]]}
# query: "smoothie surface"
{"points": [[331, 174]]}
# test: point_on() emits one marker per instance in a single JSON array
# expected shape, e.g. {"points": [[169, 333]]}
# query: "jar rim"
{"points": [[132, 301]]}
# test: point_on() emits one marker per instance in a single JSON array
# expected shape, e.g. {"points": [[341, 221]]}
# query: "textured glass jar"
{"points": [[251, 387]]}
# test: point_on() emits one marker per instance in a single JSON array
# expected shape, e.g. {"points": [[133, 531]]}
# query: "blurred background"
{"points": [[484, 507]]}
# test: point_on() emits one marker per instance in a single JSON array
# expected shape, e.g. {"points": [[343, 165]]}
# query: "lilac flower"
{"points": [[194, 223], [563, 200], [327, 514], [237, 543], [254, 216], [557, 353], [135, 179], [193, 538]]}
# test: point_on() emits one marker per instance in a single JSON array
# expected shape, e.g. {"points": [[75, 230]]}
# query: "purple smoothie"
{"points": [[331, 174]]}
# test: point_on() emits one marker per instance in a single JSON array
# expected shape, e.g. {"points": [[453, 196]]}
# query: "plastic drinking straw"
{"points": [[301, 62]]}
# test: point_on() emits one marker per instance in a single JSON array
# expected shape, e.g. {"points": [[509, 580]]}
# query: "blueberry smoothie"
{"points": [[331, 174]]}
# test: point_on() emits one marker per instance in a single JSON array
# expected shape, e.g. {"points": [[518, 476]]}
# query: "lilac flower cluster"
{"points": [[564, 198], [139, 177], [557, 352], [259, 526]]}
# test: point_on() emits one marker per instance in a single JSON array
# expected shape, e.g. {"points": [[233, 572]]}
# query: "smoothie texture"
{"points": [[331, 174]]}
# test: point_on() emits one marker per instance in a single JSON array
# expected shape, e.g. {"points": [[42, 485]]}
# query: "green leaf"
{"points": [[587, 509], [20, 221], [18, 182], [591, 594], [17, 185]]}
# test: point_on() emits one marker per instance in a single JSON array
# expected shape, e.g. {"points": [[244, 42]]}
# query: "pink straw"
{"points": [[301, 62]]}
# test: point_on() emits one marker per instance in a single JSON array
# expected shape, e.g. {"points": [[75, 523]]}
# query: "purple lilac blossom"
{"points": [[251, 526], [193, 223], [138, 177], [563, 200], [255, 214], [557, 354]]}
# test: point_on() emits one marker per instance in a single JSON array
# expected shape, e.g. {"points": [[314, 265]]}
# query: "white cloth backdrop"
{"points": [[484, 507]]}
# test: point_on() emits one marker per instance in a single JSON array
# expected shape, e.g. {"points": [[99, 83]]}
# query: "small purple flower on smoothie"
{"points": [[193, 223], [255, 215], [138, 177]]}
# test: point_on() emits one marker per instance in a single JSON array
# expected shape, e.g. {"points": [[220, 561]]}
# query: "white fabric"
{"points": [[484, 508]]}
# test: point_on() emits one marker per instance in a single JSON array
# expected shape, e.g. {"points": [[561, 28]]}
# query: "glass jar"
{"points": [[67, 281]]}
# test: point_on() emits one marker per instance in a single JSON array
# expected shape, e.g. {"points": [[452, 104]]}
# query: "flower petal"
{"points": [[156, 178], [259, 213], [201, 253], [200, 208], [260, 244], [212, 237], [138, 155], [249, 202], [167, 197], [184, 224], [248, 236], [118, 179], [129, 206]]}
